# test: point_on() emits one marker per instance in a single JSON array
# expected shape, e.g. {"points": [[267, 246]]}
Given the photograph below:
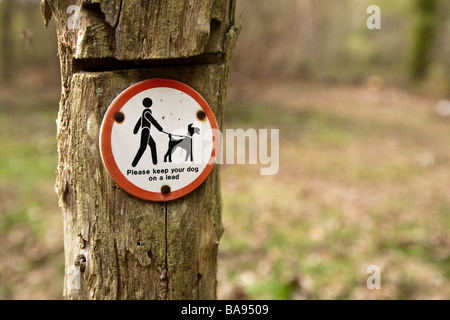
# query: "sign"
{"points": [[157, 140]]}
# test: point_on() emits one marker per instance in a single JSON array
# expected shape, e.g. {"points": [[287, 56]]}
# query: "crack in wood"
{"points": [[119, 284], [112, 64], [118, 15], [166, 262]]}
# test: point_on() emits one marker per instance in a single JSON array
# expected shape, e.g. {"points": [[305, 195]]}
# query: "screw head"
{"points": [[119, 117], [201, 115], [165, 190]]}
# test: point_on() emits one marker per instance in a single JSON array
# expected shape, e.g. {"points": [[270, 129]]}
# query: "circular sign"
{"points": [[158, 139]]}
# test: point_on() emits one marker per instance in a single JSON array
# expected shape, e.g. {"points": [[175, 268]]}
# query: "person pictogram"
{"points": [[145, 122]]}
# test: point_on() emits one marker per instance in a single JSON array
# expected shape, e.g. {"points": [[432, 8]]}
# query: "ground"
{"points": [[363, 180]]}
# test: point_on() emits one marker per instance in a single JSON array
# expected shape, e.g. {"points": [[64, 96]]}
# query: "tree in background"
{"points": [[425, 35], [6, 41]]}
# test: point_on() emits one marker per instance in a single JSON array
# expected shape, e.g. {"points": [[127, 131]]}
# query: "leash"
{"points": [[169, 134], [176, 135]]}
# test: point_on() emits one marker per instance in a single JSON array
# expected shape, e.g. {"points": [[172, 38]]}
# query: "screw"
{"points": [[119, 117], [201, 115], [165, 190]]}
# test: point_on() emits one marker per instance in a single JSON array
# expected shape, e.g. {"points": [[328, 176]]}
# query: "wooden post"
{"points": [[118, 246]]}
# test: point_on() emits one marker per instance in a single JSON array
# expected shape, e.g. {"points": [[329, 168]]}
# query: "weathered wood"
{"points": [[118, 246]]}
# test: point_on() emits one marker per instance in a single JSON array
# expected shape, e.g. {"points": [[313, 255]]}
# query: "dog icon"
{"points": [[184, 142]]}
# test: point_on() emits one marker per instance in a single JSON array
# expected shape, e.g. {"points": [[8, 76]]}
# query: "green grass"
{"points": [[361, 182], [30, 221]]}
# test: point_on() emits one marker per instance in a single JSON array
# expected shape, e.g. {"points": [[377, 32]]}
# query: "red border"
{"points": [[106, 131]]}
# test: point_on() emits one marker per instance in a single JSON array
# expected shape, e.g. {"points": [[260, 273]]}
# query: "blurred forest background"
{"points": [[364, 119]]}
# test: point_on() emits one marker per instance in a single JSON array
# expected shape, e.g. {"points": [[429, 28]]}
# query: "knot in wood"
{"points": [[80, 263]]}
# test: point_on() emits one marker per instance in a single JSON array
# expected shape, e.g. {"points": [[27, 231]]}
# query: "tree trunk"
{"points": [[425, 35], [118, 246], [6, 45]]}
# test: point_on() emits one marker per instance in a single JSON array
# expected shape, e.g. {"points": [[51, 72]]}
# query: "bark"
{"points": [[118, 246]]}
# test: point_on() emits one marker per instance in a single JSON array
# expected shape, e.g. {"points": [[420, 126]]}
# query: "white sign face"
{"points": [[157, 140]]}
